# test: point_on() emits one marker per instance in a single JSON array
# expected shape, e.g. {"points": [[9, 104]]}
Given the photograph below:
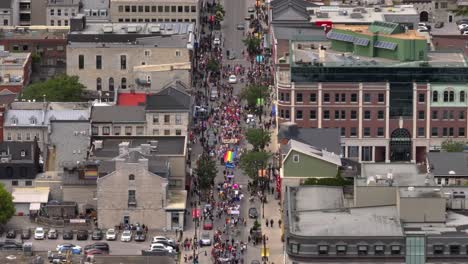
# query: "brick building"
{"points": [[15, 71], [386, 109]]}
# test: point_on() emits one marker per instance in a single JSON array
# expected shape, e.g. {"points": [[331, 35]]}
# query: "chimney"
{"points": [[145, 149], [123, 148]]}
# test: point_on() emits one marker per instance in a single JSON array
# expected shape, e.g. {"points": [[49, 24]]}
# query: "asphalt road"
{"points": [[236, 11]]}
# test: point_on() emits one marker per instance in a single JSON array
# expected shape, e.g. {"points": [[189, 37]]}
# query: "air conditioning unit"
{"points": [[5, 160]]}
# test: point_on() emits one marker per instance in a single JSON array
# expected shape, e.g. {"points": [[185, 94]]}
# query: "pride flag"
{"points": [[229, 156]]}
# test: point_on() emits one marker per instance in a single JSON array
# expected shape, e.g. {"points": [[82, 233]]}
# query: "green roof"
{"points": [[387, 28]]}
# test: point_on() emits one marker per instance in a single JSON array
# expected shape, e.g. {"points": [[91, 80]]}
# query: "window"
{"points": [[121, 9], [451, 96], [341, 250], [380, 131], [434, 132], [445, 115], [450, 131], [337, 98], [153, 9], [167, 9], [186, 9], [155, 119], [19, 136], [123, 62], [99, 84], [367, 132], [173, 9], [443, 5], [193, 9], [94, 130], [59, 23], [362, 250], [106, 130], [353, 98], [116, 130], [299, 114], [59, 12], [313, 114], [28, 183], [128, 130], [286, 96], [337, 114], [353, 114], [296, 158], [420, 131], [451, 114], [298, 97], [381, 98], [178, 132], [147, 9], [343, 114], [28, 136], [343, 98], [435, 96], [326, 114], [9, 171], [5, 22], [444, 132], [123, 83], [421, 115], [421, 98], [131, 198], [80, 62], [323, 250], [167, 119], [286, 114], [435, 114], [380, 115], [353, 132], [438, 249], [140, 9], [462, 96], [147, 53], [177, 53], [379, 250], [343, 131], [14, 183], [326, 97], [454, 249], [353, 151], [367, 115], [180, 9], [313, 97], [140, 130], [33, 121], [52, 12], [461, 131], [131, 177], [111, 84], [366, 155], [367, 98], [65, 22], [436, 5], [178, 119], [98, 62], [167, 132]]}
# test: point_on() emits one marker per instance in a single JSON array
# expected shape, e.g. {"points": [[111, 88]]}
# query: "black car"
{"points": [[140, 235], [11, 245], [25, 234], [253, 212], [82, 235], [97, 234], [103, 246], [11, 233], [67, 235]]}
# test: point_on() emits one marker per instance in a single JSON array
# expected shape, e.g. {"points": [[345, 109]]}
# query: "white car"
{"points": [[111, 234], [39, 233], [232, 79], [205, 239], [465, 33], [462, 26], [126, 236], [163, 240], [217, 41], [160, 247]]}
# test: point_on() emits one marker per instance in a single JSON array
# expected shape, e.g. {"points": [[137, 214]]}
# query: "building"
{"points": [[436, 10], [141, 57], [168, 112], [19, 164], [59, 12], [29, 201], [15, 71], [26, 12], [448, 168], [324, 138], [187, 11], [6, 13], [47, 43], [137, 191], [319, 87], [451, 42], [96, 11], [108, 121]]}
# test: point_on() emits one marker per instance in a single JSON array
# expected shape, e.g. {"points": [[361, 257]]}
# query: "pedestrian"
{"points": [[248, 239], [266, 222], [271, 223], [279, 223], [185, 258]]}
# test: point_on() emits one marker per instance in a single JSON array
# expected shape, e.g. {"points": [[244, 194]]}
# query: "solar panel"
{"points": [[361, 41], [385, 45], [340, 36]]}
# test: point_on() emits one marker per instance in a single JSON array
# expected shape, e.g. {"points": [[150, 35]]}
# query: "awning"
{"points": [[34, 206]]}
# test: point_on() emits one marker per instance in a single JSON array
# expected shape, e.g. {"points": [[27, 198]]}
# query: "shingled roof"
{"points": [[169, 98]]}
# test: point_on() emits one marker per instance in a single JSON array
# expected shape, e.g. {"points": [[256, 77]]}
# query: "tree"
{"points": [[252, 93], [258, 138], [461, 11], [453, 146], [253, 161], [212, 65], [62, 88], [253, 45], [7, 208], [220, 12], [206, 171]]}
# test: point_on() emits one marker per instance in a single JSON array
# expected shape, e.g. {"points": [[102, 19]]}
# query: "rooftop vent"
{"points": [[356, 15], [155, 29], [411, 188], [452, 172], [132, 29], [343, 12], [322, 15], [108, 29]]}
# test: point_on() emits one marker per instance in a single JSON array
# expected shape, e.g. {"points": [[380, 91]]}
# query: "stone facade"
{"points": [[59, 13], [132, 194], [177, 124]]}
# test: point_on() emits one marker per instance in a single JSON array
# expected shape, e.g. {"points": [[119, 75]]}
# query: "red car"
{"points": [[95, 251], [207, 225]]}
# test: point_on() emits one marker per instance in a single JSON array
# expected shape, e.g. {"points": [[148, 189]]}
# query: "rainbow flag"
{"points": [[228, 157]]}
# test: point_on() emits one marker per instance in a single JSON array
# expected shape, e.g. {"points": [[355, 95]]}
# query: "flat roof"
{"points": [[13, 59], [354, 14], [307, 53], [318, 197], [31, 195], [34, 32], [412, 192], [392, 174], [364, 29]]}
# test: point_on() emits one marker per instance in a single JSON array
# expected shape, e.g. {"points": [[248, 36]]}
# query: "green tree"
{"points": [[253, 45], [62, 88], [258, 138], [461, 11], [212, 65], [206, 171], [253, 161], [252, 93], [220, 12], [7, 208], [453, 146]]}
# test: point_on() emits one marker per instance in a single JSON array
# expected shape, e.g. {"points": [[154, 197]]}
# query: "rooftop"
{"points": [[366, 30], [318, 197], [8, 59], [412, 192], [131, 99], [451, 164], [170, 98], [322, 138], [307, 53], [313, 152], [118, 114], [63, 2], [31, 195], [33, 118], [34, 32], [392, 174], [361, 15]]}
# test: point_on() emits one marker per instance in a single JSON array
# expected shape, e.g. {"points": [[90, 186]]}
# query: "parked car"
{"points": [[25, 234], [67, 246], [52, 234], [95, 251], [82, 235], [67, 235], [253, 213], [11, 233], [160, 247], [240, 26], [462, 21], [97, 234], [140, 235], [103, 246], [205, 239], [11, 245], [163, 240], [232, 79], [111, 234], [126, 236], [207, 225], [39, 233]]}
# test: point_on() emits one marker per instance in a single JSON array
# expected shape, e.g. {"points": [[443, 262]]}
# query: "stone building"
{"points": [[435, 10], [59, 12]]}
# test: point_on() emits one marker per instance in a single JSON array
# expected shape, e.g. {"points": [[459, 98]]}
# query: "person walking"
{"points": [[266, 222], [271, 223], [279, 223]]}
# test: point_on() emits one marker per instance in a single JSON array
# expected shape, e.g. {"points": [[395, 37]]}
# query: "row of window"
{"points": [[66, 11], [339, 97], [17, 183], [449, 96], [19, 136], [452, 249], [157, 9], [38, 49], [128, 131], [59, 22], [167, 119], [123, 60], [147, 20], [362, 250]]}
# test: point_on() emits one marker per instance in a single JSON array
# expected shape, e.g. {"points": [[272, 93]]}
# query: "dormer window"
{"points": [[14, 120], [23, 153], [33, 121]]}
